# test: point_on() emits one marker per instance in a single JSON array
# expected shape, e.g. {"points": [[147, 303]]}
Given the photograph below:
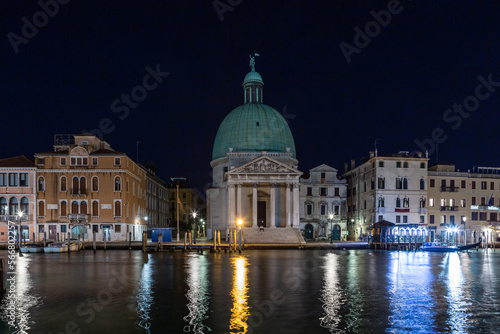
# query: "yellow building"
{"points": [[189, 202], [84, 186]]}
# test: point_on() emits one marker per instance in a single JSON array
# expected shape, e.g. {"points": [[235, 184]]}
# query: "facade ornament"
{"points": [[264, 166]]}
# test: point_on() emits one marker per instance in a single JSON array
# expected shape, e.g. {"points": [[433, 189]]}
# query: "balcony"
{"points": [[449, 208], [79, 217], [78, 191], [15, 218], [449, 189]]}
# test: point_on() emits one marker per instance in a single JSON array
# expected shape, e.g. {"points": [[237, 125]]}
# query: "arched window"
{"points": [[25, 205], [64, 185], [118, 209], [3, 206], [399, 183], [41, 184], [406, 202], [405, 164], [13, 206], [41, 209], [83, 185], [95, 209], [422, 184], [405, 183], [83, 208], [118, 184], [381, 202], [75, 190], [64, 209], [74, 207], [95, 183], [381, 183], [398, 202], [422, 202]]}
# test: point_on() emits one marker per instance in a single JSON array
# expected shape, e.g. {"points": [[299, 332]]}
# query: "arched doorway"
{"points": [[336, 232], [309, 231]]}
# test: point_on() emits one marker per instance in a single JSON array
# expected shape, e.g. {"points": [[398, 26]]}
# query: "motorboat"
{"points": [[32, 248], [77, 242], [56, 247], [437, 246]]}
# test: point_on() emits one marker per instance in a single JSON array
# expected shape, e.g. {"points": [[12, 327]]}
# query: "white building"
{"points": [[255, 176], [390, 188], [323, 204]]}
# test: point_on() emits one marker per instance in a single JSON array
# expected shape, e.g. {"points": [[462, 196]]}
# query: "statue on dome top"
{"points": [[252, 60]]}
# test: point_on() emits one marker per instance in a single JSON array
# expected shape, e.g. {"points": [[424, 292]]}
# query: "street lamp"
{"points": [[195, 227], [239, 222], [464, 220], [331, 230], [20, 214]]}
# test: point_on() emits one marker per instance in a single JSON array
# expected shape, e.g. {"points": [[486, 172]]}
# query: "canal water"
{"points": [[258, 291]]}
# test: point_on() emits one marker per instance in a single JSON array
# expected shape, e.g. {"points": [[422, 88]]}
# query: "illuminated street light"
{"points": [[20, 214], [330, 216], [195, 227]]}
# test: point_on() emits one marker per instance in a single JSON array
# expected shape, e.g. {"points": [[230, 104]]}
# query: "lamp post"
{"points": [[331, 229], [202, 227], [239, 222], [464, 220], [195, 228], [20, 214]]}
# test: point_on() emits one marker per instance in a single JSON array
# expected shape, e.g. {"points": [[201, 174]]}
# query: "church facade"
{"points": [[255, 169]]}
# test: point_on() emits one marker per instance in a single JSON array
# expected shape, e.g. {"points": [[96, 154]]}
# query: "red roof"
{"points": [[19, 161]]}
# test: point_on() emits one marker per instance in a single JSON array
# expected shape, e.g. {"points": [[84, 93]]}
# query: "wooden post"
{"points": [[240, 242], [93, 236], [57, 237], [215, 241], [160, 241], [129, 240], [33, 237], [69, 243], [144, 242], [235, 239], [105, 237], [44, 239], [190, 239]]}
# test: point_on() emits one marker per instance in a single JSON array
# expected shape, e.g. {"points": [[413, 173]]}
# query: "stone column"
{"points": [[288, 210], [296, 205], [230, 206], [254, 204], [238, 201], [272, 210]]}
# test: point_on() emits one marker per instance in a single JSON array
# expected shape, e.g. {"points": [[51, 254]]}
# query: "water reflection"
{"points": [[458, 321], [21, 297], [145, 295], [198, 294], [354, 303], [240, 310], [409, 280], [332, 295]]}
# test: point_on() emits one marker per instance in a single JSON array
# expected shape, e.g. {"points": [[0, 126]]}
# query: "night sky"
{"points": [[397, 87]]}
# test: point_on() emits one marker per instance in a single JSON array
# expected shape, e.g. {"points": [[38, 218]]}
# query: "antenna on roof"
{"points": [[377, 141]]}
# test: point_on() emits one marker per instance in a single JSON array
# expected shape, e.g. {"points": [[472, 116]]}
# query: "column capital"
{"points": [[295, 185], [273, 184], [255, 185], [230, 185]]}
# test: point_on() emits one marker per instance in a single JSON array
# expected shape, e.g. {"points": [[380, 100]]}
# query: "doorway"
{"points": [[261, 214], [336, 232], [52, 232], [309, 231]]}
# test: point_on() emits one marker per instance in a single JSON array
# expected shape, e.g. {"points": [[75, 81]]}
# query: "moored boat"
{"points": [[437, 246], [32, 248], [57, 247]]}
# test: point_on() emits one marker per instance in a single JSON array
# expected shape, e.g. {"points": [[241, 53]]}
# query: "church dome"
{"points": [[253, 127]]}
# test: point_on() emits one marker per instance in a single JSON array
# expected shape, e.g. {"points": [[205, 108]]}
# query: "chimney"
{"points": [[345, 166], [372, 154], [353, 163], [419, 154]]}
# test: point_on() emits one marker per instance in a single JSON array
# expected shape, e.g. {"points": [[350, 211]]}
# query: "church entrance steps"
{"points": [[278, 235]]}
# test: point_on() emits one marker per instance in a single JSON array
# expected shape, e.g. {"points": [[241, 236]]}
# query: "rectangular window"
{"points": [[422, 219], [323, 175], [452, 219], [309, 209], [309, 191], [432, 183], [63, 229], [493, 216], [381, 164], [482, 215], [473, 201], [463, 184], [492, 185], [118, 228], [13, 179], [398, 164], [473, 216], [63, 161], [473, 185], [94, 163], [405, 219], [422, 165], [323, 191], [483, 185], [23, 180], [431, 219], [463, 203], [336, 210], [380, 218], [398, 219], [323, 210], [3, 179], [118, 161], [443, 219], [483, 200], [431, 202], [41, 161], [337, 192], [41, 229]]}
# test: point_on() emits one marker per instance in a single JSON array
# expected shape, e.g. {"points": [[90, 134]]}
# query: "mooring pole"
{"points": [[93, 237]]}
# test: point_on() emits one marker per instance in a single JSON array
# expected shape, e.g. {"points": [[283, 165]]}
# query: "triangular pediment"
{"points": [[323, 168], [265, 165]]}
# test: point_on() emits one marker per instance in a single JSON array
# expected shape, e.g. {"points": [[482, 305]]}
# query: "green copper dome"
{"points": [[253, 127]]}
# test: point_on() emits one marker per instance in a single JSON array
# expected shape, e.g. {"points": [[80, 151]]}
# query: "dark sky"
{"points": [[397, 88]]}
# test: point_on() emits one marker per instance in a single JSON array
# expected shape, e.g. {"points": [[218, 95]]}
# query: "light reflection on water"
{"points": [[409, 280], [332, 295], [145, 297], [239, 293], [23, 298], [198, 294]]}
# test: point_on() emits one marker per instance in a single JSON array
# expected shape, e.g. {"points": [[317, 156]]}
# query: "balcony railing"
{"points": [[449, 189], [449, 208], [78, 191], [15, 218], [78, 217]]}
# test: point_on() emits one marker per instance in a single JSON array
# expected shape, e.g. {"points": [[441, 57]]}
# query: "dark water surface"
{"points": [[260, 291]]}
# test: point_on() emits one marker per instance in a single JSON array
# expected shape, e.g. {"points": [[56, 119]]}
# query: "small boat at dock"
{"points": [[32, 248], [437, 246]]}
